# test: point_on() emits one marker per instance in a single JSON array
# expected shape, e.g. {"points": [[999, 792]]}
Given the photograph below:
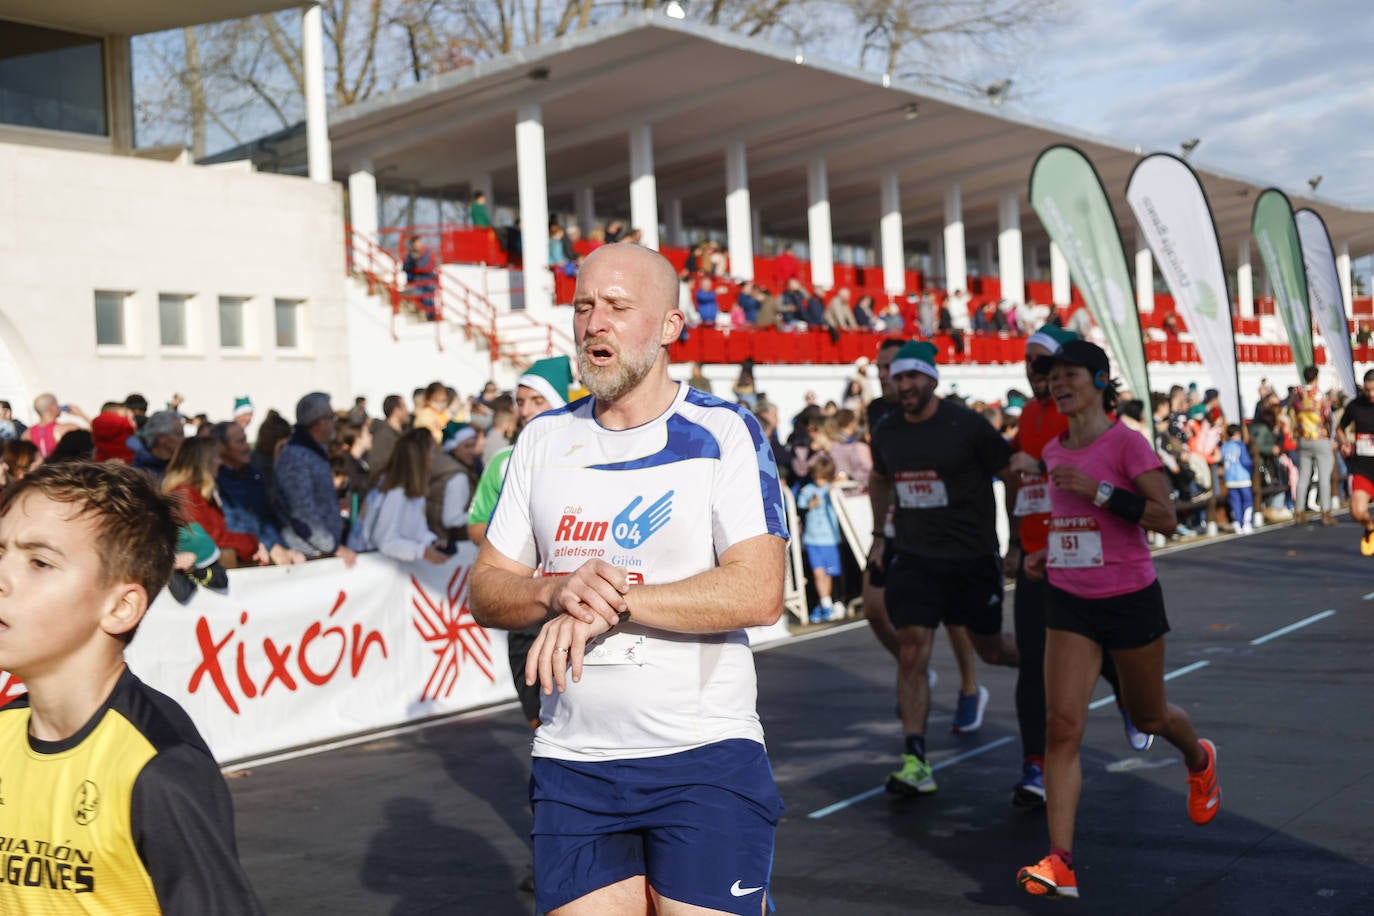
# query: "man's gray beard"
{"points": [[612, 382]]}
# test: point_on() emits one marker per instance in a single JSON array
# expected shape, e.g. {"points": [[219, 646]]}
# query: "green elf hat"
{"points": [[916, 356], [193, 538], [1051, 337], [455, 434], [550, 377]]}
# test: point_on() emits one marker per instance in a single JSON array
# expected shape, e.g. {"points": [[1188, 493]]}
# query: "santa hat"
{"points": [[455, 434], [242, 406], [1051, 336], [550, 377], [916, 356]]}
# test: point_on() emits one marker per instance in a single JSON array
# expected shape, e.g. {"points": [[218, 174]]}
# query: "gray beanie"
{"points": [[162, 423], [312, 407]]}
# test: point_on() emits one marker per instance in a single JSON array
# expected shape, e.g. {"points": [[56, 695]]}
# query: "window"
{"points": [[288, 324], [171, 319], [52, 79], [109, 318], [231, 322]]}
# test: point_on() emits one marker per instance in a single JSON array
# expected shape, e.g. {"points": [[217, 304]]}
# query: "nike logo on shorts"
{"points": [[737, 891]]}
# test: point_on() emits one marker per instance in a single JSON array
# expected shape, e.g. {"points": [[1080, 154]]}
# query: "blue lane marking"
{"points": [[1291, 627], [841, 805]]}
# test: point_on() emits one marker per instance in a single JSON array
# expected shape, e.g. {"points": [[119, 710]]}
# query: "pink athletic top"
{"points": [[44, 437], [1094, 553]]}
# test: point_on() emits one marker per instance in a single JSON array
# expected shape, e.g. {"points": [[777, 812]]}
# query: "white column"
{"points": [[1343, 270], [818, 224], [1059, 276], [890, 230], [1245, 283], [362, 199], [738, 213], [956, 263], [643, 186], [677, 236], [1144, 275], [316, 120], [1010, 264], [584, 203], [534, 208]]}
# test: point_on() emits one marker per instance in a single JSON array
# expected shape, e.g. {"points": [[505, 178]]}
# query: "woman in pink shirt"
{"points": [[1107, 489]]}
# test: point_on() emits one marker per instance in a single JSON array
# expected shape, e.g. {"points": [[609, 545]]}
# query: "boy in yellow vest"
{"points": [[110, 801]]}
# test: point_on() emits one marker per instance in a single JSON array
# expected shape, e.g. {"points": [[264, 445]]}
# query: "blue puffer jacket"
{"points": [[303, 490]]}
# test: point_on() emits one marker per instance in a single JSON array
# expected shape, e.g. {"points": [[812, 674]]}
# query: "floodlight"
{"points": [[1189, 145], [997, 92], [1313, 182]]}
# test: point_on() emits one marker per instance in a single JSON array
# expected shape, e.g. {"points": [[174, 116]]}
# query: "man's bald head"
{"points": [[651, 276]]}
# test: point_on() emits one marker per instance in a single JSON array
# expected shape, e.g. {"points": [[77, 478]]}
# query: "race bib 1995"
{"points": [[921, 490]]}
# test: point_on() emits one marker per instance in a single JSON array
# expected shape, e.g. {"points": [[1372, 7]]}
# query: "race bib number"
{"points": [[921, 490], [1033, 498], [1364, 445], [1075, 543], [617, 649]]}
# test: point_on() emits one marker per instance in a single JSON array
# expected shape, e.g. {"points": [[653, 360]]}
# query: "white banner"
{"points": [[1172, 210], [295, 655], [1324, 295]]}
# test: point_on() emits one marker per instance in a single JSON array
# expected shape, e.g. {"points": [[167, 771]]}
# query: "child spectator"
{"points": [[394, 515], [1239, 470], [191, 476], [821, 538], [84, 550]]}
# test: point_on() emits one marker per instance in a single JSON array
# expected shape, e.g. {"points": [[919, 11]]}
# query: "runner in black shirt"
{"points": [[938, 460], [1356, 437]]}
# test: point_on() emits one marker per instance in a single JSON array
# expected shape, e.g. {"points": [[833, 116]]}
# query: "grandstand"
{"points": [[233, 279]]}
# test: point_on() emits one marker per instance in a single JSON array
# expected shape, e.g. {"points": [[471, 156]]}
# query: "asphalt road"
{"points": [[436, 821]]}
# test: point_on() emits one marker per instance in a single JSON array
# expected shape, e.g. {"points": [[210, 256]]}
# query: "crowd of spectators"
{"points": [[326, 482]]}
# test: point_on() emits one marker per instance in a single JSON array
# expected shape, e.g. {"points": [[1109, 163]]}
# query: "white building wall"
{"points": [[72, 223]]}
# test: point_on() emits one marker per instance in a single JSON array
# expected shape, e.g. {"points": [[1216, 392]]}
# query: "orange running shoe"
{"points": [[1050, 877], [1204, 793]]}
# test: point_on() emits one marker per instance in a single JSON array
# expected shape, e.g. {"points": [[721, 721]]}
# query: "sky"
{"points": [[1276, 90]]}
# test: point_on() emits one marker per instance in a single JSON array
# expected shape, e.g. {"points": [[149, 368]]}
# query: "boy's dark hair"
{"points": [[137, 403], [1232, 431], [135, 525], [390, 404], [1309, 374]]}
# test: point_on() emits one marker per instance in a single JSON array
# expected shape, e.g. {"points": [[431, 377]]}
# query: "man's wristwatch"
{"points": [[1104, 493]]}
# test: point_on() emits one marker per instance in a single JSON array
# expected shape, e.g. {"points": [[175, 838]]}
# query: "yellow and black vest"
{"points": [[129, 816]]}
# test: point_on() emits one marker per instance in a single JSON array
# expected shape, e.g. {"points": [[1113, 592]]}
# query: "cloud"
{"points": [[1277, 90]]}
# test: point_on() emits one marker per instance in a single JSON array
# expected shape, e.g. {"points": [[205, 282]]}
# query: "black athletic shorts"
{"points": [[1127, 621], [928, 591], [878, 577]]}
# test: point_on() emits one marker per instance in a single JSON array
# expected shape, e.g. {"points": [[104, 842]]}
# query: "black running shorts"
{"points": [[928, 591], [877, 576], [1127, 621]]}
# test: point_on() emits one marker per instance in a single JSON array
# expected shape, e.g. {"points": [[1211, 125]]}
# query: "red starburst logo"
{"points": [[455, 638], [10, 687]]}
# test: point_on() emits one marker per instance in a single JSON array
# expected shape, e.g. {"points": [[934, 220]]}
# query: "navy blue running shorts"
{"points": [[698, 824]]}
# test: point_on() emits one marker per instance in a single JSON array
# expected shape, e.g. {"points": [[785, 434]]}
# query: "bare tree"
{"points": [[244, 78]]}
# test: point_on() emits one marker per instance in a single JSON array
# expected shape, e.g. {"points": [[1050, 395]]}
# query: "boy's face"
{"points": [[54, 607]]}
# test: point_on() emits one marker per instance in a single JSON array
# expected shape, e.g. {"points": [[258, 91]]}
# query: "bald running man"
{"points": [[655, 515]]}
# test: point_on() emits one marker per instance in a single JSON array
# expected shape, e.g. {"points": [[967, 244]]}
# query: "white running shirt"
{"points": [[664, 501]]}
